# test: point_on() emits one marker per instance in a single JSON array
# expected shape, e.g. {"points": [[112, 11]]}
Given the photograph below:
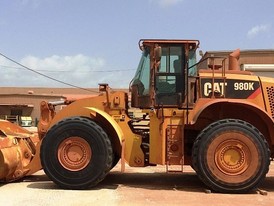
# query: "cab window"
{"points": [[170, 78]]}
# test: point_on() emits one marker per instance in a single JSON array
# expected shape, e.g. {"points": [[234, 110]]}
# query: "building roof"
{"points": [[42, 92], [51, 91], [248, 51], [46, 91]]}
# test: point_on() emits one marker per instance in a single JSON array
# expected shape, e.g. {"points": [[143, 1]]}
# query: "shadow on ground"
{"points": [[152, 181], [157, 181], [188, 182]]}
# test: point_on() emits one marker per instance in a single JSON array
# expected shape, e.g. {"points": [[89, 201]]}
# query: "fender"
{"points": [[94, 112], [204, 104], [249, 105], [89, 107], [77, 108]]}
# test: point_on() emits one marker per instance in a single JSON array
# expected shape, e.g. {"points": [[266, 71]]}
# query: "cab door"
{"points": [[170, 77]]}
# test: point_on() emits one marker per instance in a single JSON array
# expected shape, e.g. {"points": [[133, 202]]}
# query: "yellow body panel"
{"points": [[256, 100], [166, 136], [156, 139], [268, 92]]}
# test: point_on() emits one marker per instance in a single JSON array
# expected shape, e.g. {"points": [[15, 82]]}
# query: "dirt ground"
{"points": [[138, 186]]}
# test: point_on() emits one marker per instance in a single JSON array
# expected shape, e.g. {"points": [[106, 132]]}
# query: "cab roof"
{"points": [[168, 41]]}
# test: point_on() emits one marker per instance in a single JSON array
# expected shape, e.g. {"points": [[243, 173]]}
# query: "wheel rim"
{"points": [[74, 153], [233, 157]]}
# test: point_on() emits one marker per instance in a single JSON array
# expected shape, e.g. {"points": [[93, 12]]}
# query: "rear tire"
{"points": [[76, 153], [231, 156]]}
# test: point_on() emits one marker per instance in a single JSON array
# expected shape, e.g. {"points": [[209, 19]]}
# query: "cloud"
{"points": [[166, 3], [258, 29], [79, 70]]}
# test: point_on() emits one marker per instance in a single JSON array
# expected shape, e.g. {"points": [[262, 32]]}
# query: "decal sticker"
{"points": [[230, 88]]}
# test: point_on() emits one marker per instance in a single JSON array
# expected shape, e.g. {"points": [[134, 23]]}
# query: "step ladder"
{"points": [[174, 149]]}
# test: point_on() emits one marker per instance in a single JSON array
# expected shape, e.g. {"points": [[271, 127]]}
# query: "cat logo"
{"points": [[218, 87]]}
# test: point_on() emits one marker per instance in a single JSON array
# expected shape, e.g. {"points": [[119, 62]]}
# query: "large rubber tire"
{"points": [[116, 159], [231, 156], [76, 153]]}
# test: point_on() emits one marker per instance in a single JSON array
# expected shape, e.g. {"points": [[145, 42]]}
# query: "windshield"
{"points": [[141, 78]]}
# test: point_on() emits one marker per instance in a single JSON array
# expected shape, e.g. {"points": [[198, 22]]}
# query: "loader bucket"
{"points": [[17, 149], [9, 160]]}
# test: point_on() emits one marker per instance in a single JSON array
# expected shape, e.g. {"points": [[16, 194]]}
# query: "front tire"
{"points": [[231, 156], [76, 153]]}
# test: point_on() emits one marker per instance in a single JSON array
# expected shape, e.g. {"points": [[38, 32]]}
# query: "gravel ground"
{"points": [[138, 186]]}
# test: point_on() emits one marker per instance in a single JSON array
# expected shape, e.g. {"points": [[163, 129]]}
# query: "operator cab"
{"points": [[161, 78]]}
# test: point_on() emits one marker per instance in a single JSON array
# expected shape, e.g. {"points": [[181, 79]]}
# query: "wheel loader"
{"points": [[218, 120]]}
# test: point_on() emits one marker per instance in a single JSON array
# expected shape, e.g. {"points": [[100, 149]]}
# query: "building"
{"points": [[20, 102], [260, 62]]}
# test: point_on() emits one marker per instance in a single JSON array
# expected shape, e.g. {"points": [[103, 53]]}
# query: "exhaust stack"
{"points": [[233, 63]]}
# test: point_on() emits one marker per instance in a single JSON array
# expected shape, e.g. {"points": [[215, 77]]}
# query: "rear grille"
{"points": [[270, 93]]}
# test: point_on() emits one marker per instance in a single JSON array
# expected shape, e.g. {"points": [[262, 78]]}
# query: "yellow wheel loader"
{"points": [[218, 119]]}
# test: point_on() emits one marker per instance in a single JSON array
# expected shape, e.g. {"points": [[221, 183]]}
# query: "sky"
{"points": [[86, 42]]}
